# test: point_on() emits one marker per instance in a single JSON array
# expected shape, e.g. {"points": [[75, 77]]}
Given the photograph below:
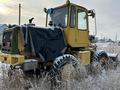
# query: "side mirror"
{"points": [[92, 38], [91, 13], [45, 10]]}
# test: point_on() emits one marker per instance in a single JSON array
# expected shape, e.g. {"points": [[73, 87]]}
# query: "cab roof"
{"points": [[71, 4]]}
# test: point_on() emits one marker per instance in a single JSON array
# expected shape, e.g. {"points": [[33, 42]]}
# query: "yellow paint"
{"points": [[70, 34], [83, 38], [76, 38], [20, 42], [85, 57], [11, 59]]}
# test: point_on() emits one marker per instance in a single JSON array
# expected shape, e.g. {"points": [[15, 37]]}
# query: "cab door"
{"points": [[82, 27], [71, 30], [77, 34]]}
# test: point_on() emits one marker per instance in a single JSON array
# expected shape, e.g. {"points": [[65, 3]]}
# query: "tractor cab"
{"points": [[74, 21]]}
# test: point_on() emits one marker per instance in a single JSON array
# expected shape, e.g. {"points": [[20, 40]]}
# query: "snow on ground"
{"points": [[107, 80], [3, 68], [103, 44]]}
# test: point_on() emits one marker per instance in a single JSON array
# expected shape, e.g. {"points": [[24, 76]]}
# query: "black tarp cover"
{"points": [[44, 41]]}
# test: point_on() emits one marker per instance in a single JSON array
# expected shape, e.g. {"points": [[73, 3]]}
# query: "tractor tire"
{"points": [[99, 62], [113, 63], [63, 68], [67, 72], [101, 57]]}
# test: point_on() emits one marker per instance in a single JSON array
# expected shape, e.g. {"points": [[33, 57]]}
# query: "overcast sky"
{"points": [[107, 13]]}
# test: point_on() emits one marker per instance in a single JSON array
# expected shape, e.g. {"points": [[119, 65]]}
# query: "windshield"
{"points": [[58, 16]]}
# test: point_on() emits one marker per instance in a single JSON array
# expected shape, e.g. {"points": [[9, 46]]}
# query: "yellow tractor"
{"points": [[64, 41]]}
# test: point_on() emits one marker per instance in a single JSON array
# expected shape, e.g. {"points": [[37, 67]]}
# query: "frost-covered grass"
{"points": [[11, 80], [107, 80], [110, 48]]}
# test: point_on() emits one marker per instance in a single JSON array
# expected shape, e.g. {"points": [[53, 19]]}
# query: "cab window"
{"points": [[72, 18], [6, 41], [59, 16], [7, 37], [82, 20]]}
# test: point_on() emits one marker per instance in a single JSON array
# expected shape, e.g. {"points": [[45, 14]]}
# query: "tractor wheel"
{"points": [[113, 62], [99, 62], [63, 68], [67, 72], [63, 71]]}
